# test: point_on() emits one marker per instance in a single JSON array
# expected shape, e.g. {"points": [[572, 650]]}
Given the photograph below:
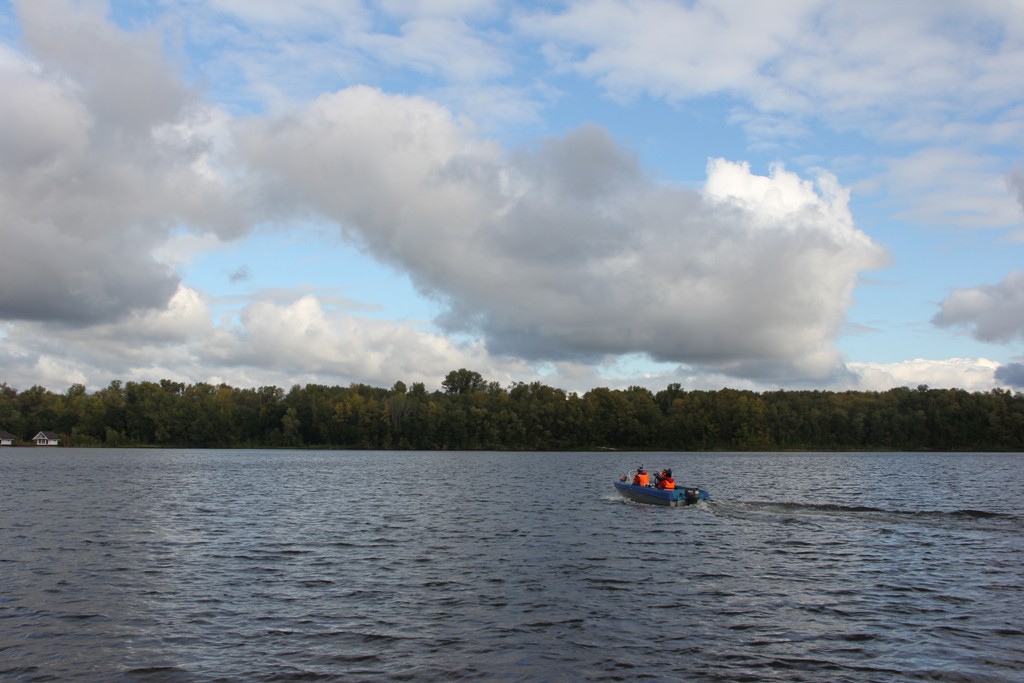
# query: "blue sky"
{"points": [[800, 194]]}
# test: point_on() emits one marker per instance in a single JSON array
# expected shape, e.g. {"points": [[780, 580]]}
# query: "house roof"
{"points": [[7, 435], [48, 435]]}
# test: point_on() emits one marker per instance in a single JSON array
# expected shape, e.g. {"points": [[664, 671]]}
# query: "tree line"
{"points": [[470, 413]]}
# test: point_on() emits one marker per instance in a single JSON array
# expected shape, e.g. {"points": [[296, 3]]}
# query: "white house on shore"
{"points": [[46, 439], [7, 439]]}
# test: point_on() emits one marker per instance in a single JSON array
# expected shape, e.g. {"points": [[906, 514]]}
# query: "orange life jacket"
{"points": [[667, 483], [642, 479]]}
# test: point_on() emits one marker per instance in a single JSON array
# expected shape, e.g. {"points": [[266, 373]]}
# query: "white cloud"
{"points": [[182, 248], [970, 374], [954, 187], [53, 371], [442, 8], [436, 45], [270, 344], [302, 341], [569, 251], [565, 252], [302, 338], [993, 313], [808, 58], [297, 15], [96, 169], [935, 84], [55, 355], [270, 55], [670, 50]]}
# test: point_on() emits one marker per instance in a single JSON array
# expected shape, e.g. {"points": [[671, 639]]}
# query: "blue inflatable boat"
{"points": [[652, 495]]}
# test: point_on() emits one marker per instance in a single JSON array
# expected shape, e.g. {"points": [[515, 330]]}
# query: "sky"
{"points": [[799, 194]]}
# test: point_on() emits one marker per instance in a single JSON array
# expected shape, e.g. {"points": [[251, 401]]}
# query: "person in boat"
{"points": [[641, 478], [665, 480]]}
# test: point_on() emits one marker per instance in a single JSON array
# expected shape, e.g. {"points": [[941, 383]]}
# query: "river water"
{"points": [[174, 565]]}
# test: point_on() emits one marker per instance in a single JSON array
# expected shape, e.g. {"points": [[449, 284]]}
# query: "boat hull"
{"points": [[652, 496]]}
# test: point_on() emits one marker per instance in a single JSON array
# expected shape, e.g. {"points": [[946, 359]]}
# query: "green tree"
{"points": [[463, 381]]}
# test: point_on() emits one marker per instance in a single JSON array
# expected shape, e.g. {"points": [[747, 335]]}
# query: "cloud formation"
{"points": [[791, 70], [1011, 374], [569, 251], [993, 313], [267, 344], [809, 58], [970, 374], [1015, 181], [115, 171], [99, 162]]}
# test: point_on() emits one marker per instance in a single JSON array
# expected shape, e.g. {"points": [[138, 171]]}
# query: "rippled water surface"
{"points": [[163, 565]]}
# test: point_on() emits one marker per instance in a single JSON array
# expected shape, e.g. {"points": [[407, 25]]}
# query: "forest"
{"points": [[471, 413]]}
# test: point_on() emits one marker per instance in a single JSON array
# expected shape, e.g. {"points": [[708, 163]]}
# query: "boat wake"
{"points": [[820, 512]]}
